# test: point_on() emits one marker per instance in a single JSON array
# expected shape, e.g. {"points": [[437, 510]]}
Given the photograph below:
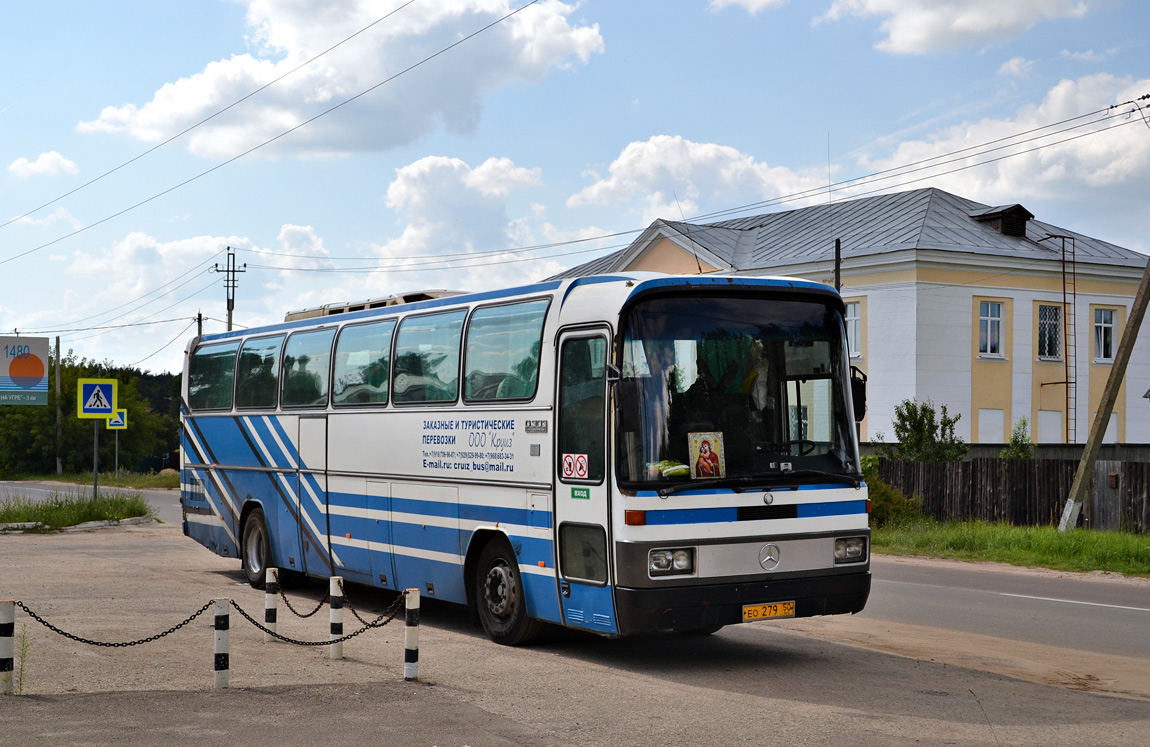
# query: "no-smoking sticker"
{"points": [[575, 465]]}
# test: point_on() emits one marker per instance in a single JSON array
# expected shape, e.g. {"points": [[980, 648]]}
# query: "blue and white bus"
{"points": [[621, 454]]}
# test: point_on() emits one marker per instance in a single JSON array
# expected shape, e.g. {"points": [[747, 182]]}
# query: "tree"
{"points": [[1020, 446], [923, 434], [28, 434]]}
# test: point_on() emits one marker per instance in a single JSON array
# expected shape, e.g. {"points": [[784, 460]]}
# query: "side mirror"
{"points": [[858, 393]]}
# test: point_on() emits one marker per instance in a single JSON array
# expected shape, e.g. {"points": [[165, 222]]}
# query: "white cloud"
{"points": [[453, 210], [446, 92], [1016, 67], [752, 6], [59, 215], [300, 247], [922, 26], [1117, 157], [672, 177], [47, 164], [1088, 56]]}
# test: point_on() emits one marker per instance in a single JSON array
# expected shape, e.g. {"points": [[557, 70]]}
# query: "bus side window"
{"points": [[362, 364], [427, 358], [258, 374], [211, 374], [307, 356], [581, 401], [502, 351]]}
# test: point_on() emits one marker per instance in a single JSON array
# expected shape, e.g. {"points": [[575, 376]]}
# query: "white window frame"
{"points": [[1057, 356], [854, 328], [993, 321], [1104, 335]]}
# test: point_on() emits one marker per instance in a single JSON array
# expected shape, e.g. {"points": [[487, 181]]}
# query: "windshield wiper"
{"points": [[756, 482], [853, 480], [738, 484]]}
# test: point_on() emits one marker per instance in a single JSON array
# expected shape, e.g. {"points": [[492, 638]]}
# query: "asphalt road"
{"points": [[1084, 612]]}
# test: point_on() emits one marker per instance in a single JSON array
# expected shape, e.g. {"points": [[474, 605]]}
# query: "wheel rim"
{"points": [[254, 550], [499, 591]]}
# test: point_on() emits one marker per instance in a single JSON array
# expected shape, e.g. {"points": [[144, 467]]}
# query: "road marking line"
{"points": [[1017, 596], [1075, 601]]}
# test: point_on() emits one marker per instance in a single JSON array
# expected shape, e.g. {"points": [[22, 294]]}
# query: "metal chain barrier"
{"points": [[347, 603], [322, 602], [378, 622], [77, 638]]}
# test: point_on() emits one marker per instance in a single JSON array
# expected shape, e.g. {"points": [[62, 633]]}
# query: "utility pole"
{"points": [[59, 432], [1106, 406], [838, 265], [230, 281]]}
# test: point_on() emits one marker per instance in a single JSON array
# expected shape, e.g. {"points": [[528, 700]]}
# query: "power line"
{"points": [[166, 345], [151, 292], [253, 149], [922, 164], [205, 120], [414, 264], [421, 266]]}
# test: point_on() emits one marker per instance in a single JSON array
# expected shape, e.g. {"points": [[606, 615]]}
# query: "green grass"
{"points": [[76, 507], [131, 480], [1041, 547]]}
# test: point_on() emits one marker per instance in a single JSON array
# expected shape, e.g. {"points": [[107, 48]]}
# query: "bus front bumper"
{"points": [[701, 607]]}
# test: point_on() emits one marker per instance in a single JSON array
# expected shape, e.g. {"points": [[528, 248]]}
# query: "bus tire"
{"points": [[256, 549], [499, 597]]}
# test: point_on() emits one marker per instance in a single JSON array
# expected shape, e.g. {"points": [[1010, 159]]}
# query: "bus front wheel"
{"points": [[499, 597], [257, 549]]}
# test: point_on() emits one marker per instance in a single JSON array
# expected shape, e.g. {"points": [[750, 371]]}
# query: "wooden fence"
{"points": [[1025, 492]]}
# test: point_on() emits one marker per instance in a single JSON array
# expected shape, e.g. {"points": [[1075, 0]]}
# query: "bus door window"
{"points": [[581, 414]]}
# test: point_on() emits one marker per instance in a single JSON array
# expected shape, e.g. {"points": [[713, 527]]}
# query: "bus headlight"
{"points": [[678, 562], [850, 549]]}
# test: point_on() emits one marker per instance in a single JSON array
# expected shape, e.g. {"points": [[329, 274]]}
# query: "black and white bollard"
{"points": [[271, 592], [411, 637], [335, 591], [223, 613], [7, 644]]}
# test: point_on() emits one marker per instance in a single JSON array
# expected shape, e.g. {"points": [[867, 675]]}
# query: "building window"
{"points": [[854, 329], [1104, 334], [1050, 333], [990, 328]]}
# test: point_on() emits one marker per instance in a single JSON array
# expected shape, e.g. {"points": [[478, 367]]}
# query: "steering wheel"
{"points": [[806, 446]]}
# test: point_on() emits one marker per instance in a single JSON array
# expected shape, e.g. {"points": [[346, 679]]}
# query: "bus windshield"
{"points": [[749, 389]]}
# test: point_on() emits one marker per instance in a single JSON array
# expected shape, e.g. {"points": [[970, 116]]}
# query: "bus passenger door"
{"points": [[311, 489], [581, 494]]}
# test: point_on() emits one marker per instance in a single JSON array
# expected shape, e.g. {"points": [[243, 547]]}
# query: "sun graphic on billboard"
{"points": [[26, 372]]}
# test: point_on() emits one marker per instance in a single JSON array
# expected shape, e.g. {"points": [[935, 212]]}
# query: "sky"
{"points": [[358, 149]]}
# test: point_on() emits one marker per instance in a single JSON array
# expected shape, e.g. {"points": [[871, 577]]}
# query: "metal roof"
{"points": [[921, 219]]}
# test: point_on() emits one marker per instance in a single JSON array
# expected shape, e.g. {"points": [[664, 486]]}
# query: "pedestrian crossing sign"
{"points": [[96, 398]]}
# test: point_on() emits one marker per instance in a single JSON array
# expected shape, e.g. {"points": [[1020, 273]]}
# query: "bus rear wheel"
{"points": [[500, 599], [256, 549]]}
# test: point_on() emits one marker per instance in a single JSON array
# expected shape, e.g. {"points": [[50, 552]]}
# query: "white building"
{"points": [[948, 300]]}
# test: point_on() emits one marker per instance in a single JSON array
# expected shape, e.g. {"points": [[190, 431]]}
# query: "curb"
{"points": [[25, 527]]}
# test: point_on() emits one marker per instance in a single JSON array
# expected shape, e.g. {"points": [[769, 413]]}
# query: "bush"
{"points": [[923, 435], [889, 505], [1020, 446]]}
